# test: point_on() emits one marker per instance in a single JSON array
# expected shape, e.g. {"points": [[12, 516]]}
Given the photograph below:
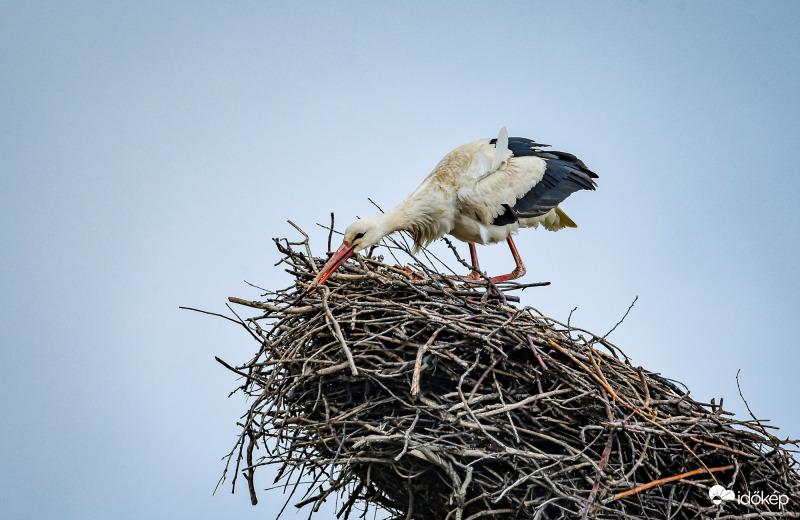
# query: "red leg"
{"points": [[475, 267], [518, 271], [473, 275]]}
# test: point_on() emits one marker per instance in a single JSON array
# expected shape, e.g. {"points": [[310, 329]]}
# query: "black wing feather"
{"points": [[564, 175]]}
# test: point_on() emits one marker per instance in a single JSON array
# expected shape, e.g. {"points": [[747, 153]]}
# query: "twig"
{"points": [[330, 233], [600, 466], [407, 437], [536, 352], [418, 364], [669, 479], [338, 332], [621, 319]]}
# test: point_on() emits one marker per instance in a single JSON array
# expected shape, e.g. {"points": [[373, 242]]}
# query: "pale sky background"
{"points": [[150, 152]]}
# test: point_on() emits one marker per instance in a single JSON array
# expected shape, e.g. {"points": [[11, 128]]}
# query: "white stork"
{"points": [[481, 192]]}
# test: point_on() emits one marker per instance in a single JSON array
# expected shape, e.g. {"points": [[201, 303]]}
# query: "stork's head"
{"points": [[365, 232]]}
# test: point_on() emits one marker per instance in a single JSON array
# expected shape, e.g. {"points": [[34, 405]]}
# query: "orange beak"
{"points": [[341, 255]]}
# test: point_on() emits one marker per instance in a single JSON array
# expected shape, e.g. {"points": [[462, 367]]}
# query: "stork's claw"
{"points": [[519, 272], [473, 277]]}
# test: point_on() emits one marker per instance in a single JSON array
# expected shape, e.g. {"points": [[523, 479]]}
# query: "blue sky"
{"points": [[150, 152]]}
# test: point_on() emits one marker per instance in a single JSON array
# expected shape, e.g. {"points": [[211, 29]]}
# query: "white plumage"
{"points": [[481, 192]]}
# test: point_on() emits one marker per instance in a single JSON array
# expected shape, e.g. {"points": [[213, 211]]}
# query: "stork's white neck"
{"points": [[397, 219], [367, 232], [424, 217]]}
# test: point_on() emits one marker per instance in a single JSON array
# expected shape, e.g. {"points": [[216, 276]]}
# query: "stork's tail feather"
{"points": [[564, 220]]}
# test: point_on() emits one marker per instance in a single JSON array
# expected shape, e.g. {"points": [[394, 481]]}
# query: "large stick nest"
{"points": [[437, 401]]}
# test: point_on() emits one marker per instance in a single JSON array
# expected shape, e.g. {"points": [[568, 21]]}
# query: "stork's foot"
{"points": [[475, 278], [472, 277], [519, 272]]}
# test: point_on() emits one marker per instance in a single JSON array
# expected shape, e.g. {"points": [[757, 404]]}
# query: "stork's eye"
{"points": [[360, 235]]}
